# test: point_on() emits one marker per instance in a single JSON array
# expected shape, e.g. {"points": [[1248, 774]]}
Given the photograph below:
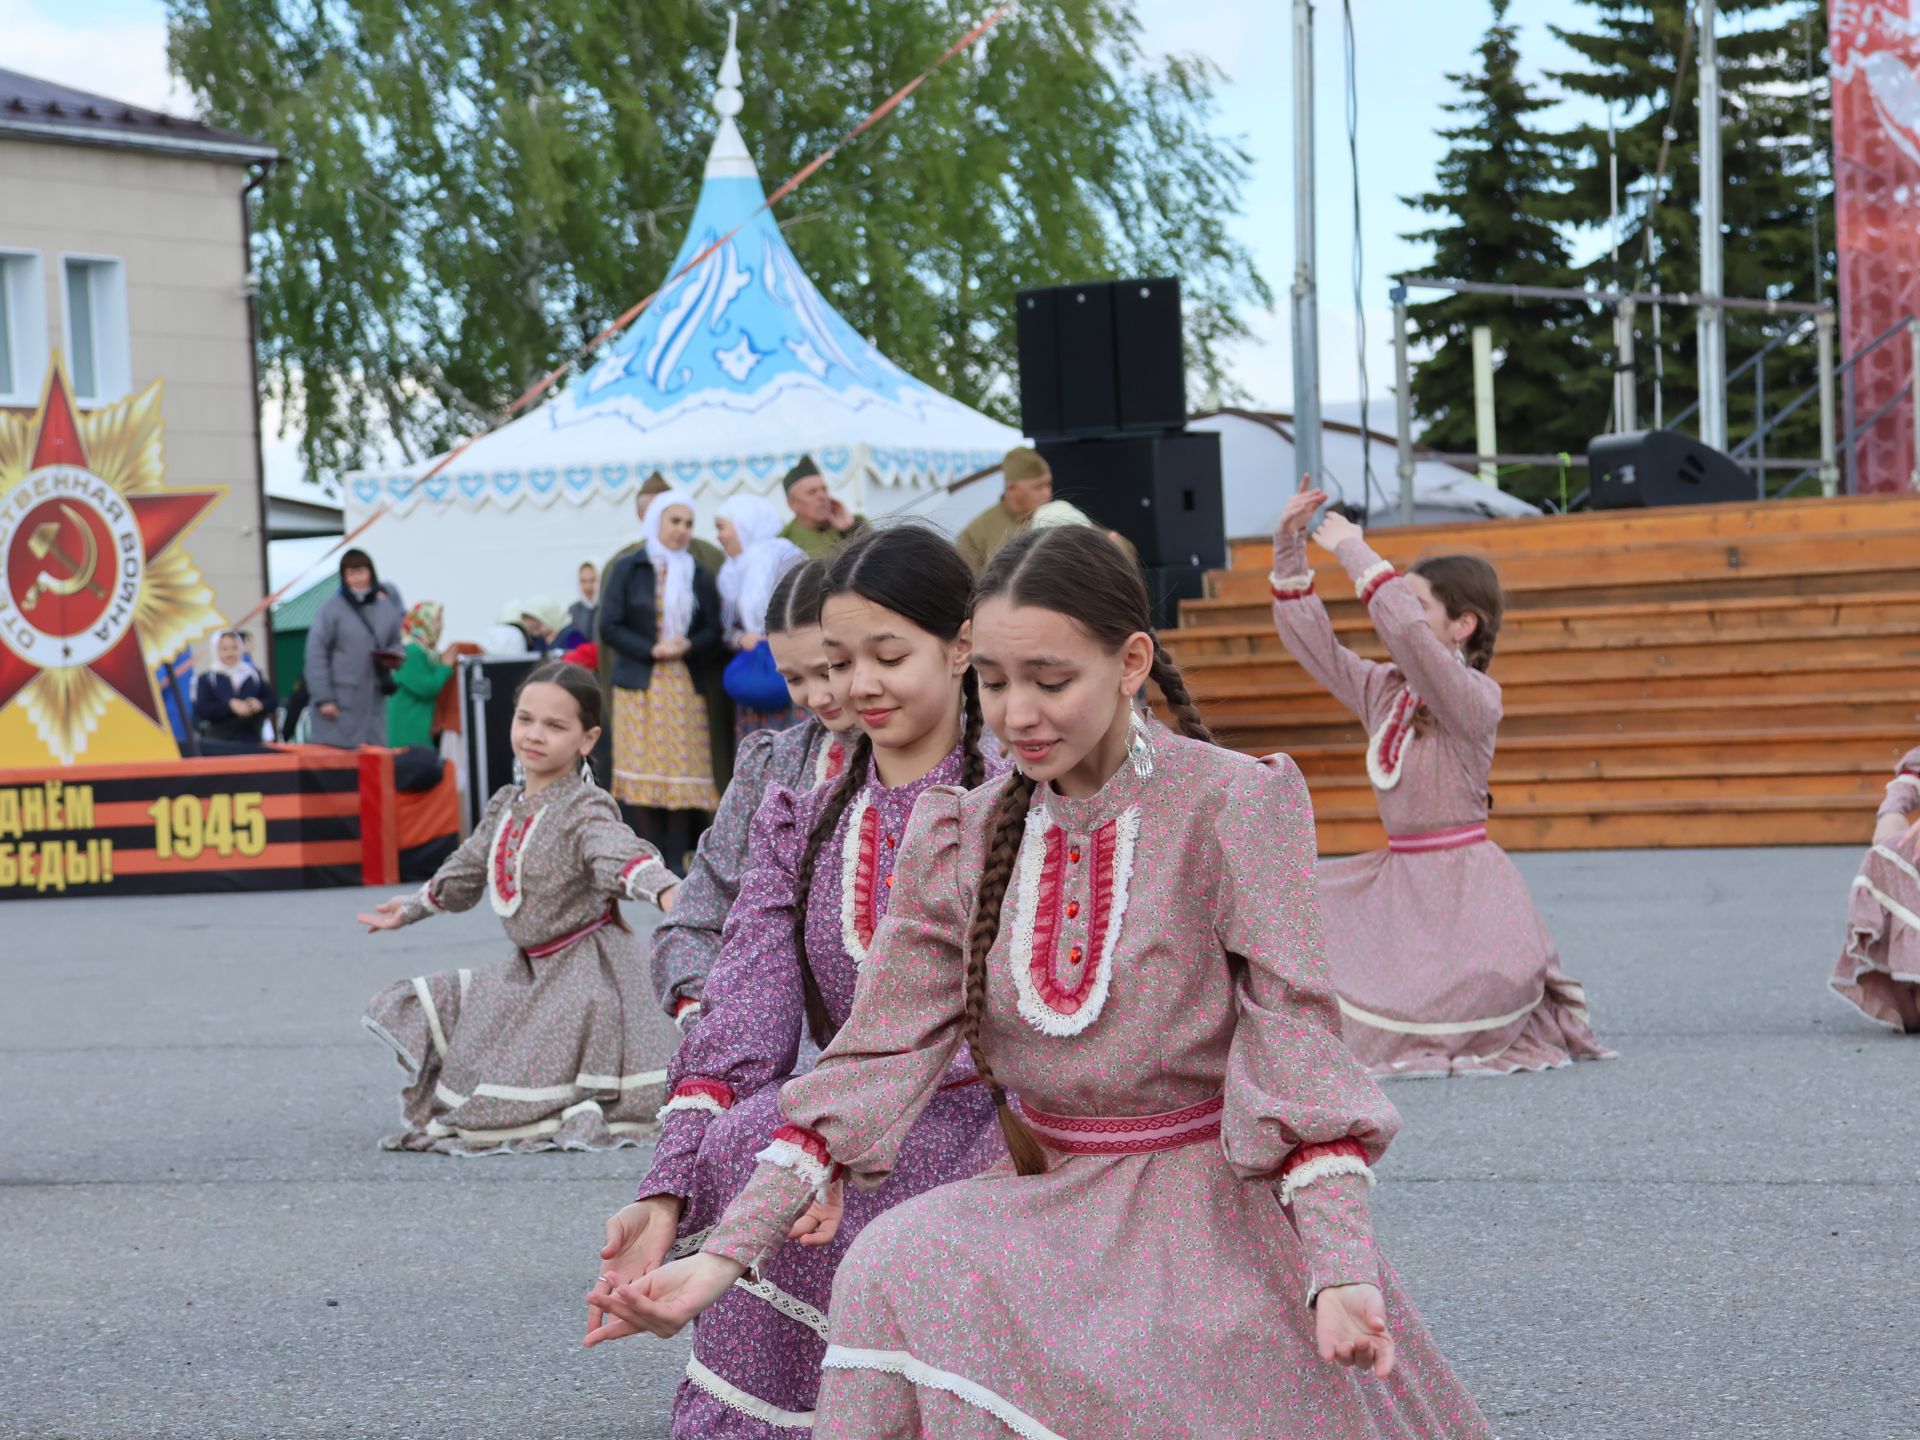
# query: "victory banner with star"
{"points": [[96, 586]]}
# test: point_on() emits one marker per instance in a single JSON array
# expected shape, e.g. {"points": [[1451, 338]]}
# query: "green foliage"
{"points": [[1778, 183], [1501, 199], [473, 188]]}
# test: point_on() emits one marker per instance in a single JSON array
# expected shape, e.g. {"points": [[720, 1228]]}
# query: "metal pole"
{"points": [[1829, 443], [1626, 394], [1712, 322], [1403, 405], [1306, 320], [1913, 336], [1484, 439], [1760, 428]]}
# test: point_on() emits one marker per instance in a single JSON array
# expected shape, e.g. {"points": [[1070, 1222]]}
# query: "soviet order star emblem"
{"points": [[94, 590]]}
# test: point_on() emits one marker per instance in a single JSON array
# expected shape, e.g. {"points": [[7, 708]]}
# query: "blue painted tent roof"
{"points": [[737, 369]]}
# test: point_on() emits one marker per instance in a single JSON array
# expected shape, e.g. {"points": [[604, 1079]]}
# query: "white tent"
{"points": [[1258, 473], [737, 370]]}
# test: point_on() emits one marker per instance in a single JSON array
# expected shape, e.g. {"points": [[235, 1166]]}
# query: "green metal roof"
{"points": [[296, 612]]}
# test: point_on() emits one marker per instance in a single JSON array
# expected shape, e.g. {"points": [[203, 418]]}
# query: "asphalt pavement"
{"points": [[1712, 1236]]}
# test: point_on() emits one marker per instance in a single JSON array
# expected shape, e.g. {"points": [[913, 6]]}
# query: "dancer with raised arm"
{"points": [[821, 879], [1442, 962], [1123, 935], [687, 944], [559, 1047]]}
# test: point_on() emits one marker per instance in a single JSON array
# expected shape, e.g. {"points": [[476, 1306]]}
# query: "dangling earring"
{"points": [[586, 772], [519, 772], [1139, 745]]}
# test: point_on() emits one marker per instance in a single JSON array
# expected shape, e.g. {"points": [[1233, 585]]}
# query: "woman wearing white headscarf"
{"points": [[660, 614], [749, 530]]}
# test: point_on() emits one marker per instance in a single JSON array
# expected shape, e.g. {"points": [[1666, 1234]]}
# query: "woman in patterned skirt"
{"points": [[1879, 968], [660, 613], [1124, 934], [558, 1047], [1442, 962], [822, 875]]}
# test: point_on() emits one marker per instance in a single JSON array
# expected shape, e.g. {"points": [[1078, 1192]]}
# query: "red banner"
{"points": [[1876, 161]]}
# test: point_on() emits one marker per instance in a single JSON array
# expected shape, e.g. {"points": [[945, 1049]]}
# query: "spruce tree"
{"points": [[1500, 194], [1777, 190]]}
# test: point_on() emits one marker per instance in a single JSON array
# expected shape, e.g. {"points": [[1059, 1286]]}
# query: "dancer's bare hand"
{"points": [[1334, 528], [1908, 836], [387, 915], [638, 1238], [1351, 1325], [667, 896], [822, 1220], [664, 1301], [1299, 512]]}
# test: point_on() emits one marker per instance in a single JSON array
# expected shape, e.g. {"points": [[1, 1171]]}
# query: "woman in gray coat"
{"points": [[351, 650]]}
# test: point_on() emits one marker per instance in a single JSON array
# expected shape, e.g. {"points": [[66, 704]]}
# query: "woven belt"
{"points": [[1125, 1134], [1453, 839], [554, 947]]}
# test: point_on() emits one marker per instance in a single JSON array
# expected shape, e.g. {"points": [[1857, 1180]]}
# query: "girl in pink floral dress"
{"points": [[1879, 968], [821, 876], [1442, 962], [1125, 936]]}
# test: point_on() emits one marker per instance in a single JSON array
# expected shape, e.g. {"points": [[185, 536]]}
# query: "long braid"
{"points": [[1173, 685], [824, 824], [973, 765], [1009, 823]]}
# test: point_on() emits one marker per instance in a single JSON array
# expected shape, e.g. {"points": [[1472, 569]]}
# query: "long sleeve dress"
{"points": [[1879, 968], [559, 1046], [1442, 962], [756, 1355], [1158, 1000], [686, 945]]}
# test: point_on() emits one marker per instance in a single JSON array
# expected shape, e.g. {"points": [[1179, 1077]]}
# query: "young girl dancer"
{"points": [[1442, 963], [558, 1047], [822, 877], [687, 943], [1879, 968], [1125, 935]]}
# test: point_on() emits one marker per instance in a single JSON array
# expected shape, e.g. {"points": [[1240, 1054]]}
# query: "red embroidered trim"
{"points": [[1100, 888], [1399, 727], [807, 1140], [682, 1005], [559, 943], [1280, 594], [1046, 923], [505, 853], [717, 1091], [866, 876], [1048, 909], [1366, 595], [1303, 1154], [836, 759], [1124, 1124]]}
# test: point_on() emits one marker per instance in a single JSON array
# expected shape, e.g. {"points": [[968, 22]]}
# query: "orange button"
{"points": [[1074, 954], [1073, 908]]}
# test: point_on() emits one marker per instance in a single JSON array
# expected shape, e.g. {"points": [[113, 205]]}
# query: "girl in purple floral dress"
{"points": [[1125, 936], [820, 882]]}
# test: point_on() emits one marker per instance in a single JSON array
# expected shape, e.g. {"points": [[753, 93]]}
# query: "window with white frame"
{"points": [[23, 327], [98, 358]]}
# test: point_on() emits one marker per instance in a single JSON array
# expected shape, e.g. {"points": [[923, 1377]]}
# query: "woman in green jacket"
{"points": [[421, 677]]}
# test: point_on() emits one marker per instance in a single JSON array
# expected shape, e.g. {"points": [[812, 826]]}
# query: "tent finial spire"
{"points": [[729, 156]]}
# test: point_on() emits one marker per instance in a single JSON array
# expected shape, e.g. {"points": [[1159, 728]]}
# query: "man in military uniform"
{"points": [[820, 524], [1029, 485]]}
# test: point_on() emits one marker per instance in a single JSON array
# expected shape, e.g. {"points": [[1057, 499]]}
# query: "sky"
{"points": [[1405, 50]]}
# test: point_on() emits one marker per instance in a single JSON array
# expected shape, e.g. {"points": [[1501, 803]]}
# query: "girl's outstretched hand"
{"points": [[1907, 837], [387, 915], [1333, 529], [1299, 511], [822, 1220], [1351, 1325], [662, 1302]]}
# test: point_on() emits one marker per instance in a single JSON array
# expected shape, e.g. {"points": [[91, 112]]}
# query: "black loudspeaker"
{"points": [[1661, 467], [1160, 491], [1037, 326], [1089, 386], [1148, 356], [1101, 358], [486, 709], [1168, 585]]}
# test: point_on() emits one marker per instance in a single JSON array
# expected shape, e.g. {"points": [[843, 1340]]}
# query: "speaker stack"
{"points": [[1661, 467], [1103, 387]]}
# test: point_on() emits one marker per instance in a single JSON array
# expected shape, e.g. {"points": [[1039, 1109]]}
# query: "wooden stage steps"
{"points": [[1707, 675]]}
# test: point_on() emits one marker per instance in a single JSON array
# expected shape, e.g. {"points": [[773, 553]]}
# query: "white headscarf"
{"points": [[748, 579], [237, 673], [676, 609]]}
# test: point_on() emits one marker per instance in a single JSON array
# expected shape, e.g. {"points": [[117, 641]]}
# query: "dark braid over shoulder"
{"points": [[973, 765], [1173, 685], [851, 779], [1009, 824]]}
